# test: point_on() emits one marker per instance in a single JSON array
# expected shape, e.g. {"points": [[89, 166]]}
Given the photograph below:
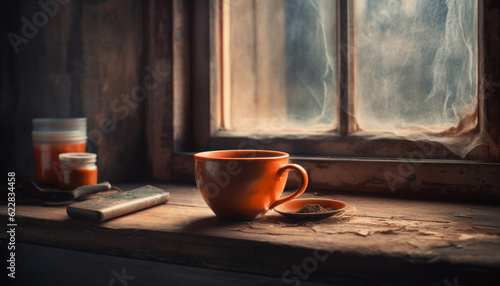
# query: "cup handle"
{"points": [[303, 183]]}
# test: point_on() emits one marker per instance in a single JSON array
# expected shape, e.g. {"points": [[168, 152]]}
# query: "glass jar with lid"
{"points": [[51, 137], [77, 169]]}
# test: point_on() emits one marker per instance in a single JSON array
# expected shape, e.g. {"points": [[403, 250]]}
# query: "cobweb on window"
{"points": [[416, 70]]}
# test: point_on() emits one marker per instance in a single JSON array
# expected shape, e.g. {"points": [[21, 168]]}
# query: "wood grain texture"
{"points": [[113, 68], [491, 73], [204, 70], [181, 77], [159, 104], [123, 203], [425, 241]]}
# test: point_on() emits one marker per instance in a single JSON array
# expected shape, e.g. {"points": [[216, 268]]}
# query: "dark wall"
{"points": [[83, 58]]}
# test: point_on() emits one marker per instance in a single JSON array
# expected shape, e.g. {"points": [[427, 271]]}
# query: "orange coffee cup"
{"points": [[245, 184]]}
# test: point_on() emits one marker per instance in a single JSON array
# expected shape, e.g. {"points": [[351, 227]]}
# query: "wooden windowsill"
{"points": [[375, 239]]}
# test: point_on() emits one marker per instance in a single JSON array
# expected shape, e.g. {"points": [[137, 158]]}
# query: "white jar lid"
{"points": [[59, 137], [77, 159], [59, 130], [60, 124]]}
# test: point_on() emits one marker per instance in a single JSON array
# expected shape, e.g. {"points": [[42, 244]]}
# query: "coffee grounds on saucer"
{"points": [[314, 208]]}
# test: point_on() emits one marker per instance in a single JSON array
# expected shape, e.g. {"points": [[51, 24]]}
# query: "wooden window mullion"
{"points": [[346, 65]]}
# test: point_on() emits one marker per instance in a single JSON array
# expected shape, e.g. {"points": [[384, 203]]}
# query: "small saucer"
{"points": [[289, 209]]}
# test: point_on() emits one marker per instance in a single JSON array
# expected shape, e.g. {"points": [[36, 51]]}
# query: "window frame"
{"points": [[346, 141], [194, 126]]}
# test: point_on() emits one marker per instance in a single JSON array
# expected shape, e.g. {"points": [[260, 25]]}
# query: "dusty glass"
{"points": [[279, 62], [416, 64]]}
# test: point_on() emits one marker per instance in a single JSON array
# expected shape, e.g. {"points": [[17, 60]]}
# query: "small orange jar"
{"points": [[77, 169], [51, 137]]}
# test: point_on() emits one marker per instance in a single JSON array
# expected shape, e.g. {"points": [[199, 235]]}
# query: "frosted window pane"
{"points": [[280, 65], [416, 63]]}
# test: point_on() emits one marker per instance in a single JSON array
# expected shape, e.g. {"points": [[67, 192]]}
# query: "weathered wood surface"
{"points": [[491, 72], [374, 237], [113, 88], [159, 122]]}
